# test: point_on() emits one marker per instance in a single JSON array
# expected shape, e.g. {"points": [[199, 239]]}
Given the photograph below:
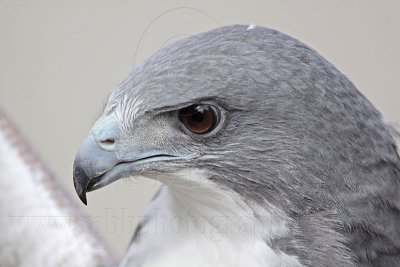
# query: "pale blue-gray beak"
{"points": [[99, 163]]}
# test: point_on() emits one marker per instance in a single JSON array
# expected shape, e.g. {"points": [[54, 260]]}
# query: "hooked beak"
{"points": [[98, 162]]}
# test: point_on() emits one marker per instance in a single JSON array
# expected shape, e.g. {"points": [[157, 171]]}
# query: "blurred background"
{"points": [[59, 60]]}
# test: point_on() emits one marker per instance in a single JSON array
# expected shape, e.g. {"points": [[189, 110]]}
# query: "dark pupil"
{"points": [[197, 116], [198, 119]]}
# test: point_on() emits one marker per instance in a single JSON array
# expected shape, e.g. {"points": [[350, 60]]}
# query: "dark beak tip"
{"points": [[82, 197], [80, 184], [80, 192]]}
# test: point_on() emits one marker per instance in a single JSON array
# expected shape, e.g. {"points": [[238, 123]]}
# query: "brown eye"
{"points": [[199, 119]]}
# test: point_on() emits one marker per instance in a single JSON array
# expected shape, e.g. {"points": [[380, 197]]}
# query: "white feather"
{"points": [[193, 222], [252, 26]]}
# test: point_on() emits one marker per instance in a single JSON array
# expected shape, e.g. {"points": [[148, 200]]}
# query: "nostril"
{"points": [[108, 141], [107, 144]]}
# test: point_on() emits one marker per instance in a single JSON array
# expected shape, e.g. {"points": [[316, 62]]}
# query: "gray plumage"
{"points": [[298, 151], [297, 135]]}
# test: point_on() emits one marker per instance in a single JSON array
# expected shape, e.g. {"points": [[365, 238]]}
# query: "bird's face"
{"points": [[241, 106], [193, 105], [142, 132], [124, 143]]}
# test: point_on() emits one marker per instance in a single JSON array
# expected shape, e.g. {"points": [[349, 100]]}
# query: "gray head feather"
{"points": [[296, 134]]}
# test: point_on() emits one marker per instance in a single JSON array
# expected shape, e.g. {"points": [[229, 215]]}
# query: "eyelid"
{"points": [[210, 102], [220, 123]]}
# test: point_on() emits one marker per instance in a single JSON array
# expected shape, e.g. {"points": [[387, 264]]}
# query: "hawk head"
{"points": [[254, 111]]}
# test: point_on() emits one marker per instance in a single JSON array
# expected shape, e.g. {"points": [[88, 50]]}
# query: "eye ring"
{"points": [[200, 118]]}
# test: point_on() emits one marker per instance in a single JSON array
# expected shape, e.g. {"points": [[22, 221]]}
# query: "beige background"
{"points": [[60, 59]]}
